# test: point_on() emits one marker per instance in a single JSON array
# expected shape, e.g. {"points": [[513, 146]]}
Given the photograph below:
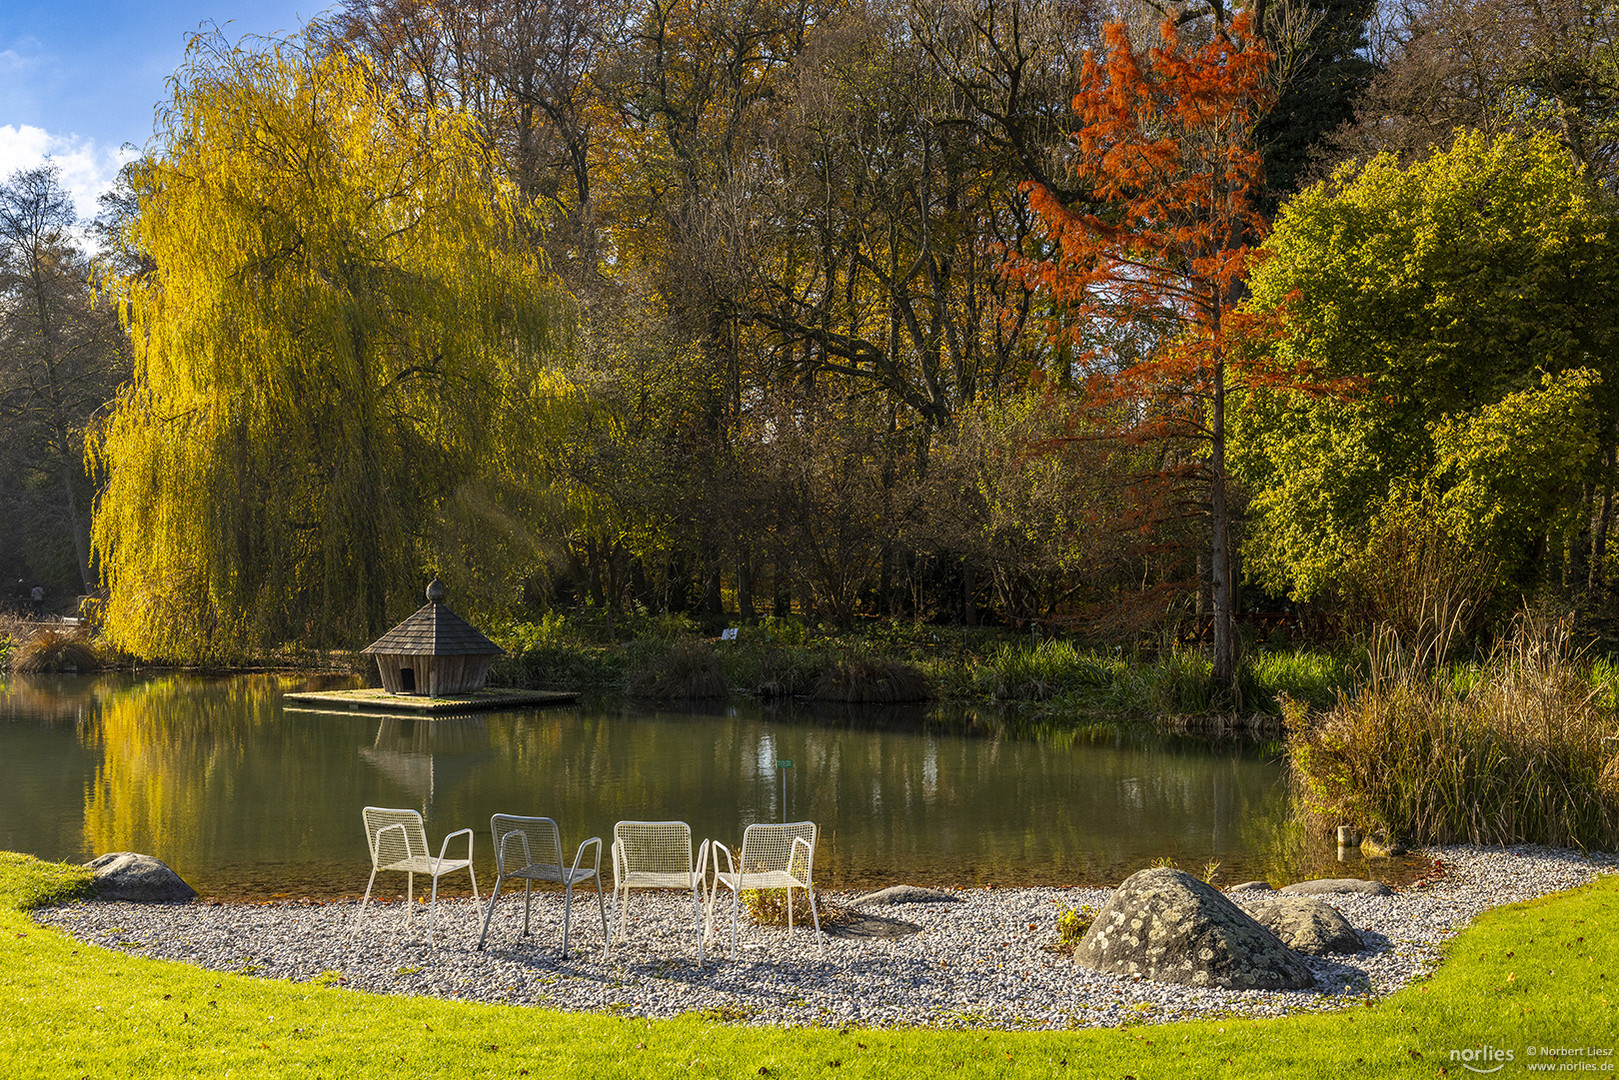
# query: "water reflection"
{"points": [[244, 797]]}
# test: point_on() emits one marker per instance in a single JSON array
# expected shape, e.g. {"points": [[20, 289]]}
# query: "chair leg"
{"points": [[474, 875], [789, 909], [601, 907], [494, 896], [736, 915], [697, 920], [410, 897], [567, 912], [432, 906], [820, 938], [528, 895], [364, 900]]}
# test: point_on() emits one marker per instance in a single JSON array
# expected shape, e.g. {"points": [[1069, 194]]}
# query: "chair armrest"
{"points": [[500, 851], [730, 861], [579, 856], [442, 848], [699, 884], [809, 858]]}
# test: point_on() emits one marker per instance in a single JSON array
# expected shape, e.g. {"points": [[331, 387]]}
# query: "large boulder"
{"points": [[1168, 926], [126, 875], [1328, 886], [1304, 923]]}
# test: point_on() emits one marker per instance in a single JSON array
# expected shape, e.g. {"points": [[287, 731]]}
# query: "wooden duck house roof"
{"points": [[434, 630]]}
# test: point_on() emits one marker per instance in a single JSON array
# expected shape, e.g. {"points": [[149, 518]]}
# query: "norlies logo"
{"points": [[1482, 1059]]}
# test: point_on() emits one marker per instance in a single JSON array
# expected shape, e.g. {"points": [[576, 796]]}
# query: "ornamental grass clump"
{"points": [[687, 670], [1516, 755], [871, 679], [56, 650]]}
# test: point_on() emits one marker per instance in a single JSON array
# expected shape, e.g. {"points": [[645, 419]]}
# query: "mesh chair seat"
{"points": [[556, 875], [764, 879], [426, 864], [657, 879]]}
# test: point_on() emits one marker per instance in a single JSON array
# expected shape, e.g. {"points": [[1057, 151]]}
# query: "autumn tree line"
{"points": [[1019, 311]]}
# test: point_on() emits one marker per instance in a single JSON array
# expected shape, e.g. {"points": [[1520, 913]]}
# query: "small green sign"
{"points": [[784, 763]]}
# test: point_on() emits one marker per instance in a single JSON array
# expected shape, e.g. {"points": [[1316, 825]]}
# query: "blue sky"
{"points": [[79, 79]]}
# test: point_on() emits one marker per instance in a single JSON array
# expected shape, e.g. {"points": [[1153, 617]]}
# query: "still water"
{"points": [[244, 797]]}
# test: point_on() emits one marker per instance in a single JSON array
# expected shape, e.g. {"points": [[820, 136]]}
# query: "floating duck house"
{"points": [[434, 653]]}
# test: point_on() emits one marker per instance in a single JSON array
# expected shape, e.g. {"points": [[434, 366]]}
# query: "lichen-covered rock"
{"points": [[1304, 923], [1166, 925], [906, 894], [126, 875], [1327, 886]]}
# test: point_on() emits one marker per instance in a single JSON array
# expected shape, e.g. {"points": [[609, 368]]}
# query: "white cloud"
{"points": [[87, 170]]}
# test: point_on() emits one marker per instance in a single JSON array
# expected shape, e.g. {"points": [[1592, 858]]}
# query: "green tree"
{"points": [[1453, 288], [61, 357], [339, 327]]}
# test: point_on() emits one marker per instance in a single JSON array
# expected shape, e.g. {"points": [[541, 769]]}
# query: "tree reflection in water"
{"points": [[244, 798]]}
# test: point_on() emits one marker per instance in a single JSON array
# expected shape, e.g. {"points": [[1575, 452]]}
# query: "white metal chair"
{"points": [[530, 848], [772, 857], [398, 841], [657, 855]]}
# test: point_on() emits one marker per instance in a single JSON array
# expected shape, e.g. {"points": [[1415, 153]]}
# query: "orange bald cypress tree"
{"points": [[1168, 233]]}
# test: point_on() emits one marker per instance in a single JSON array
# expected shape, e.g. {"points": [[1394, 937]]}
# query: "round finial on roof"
{"points": [[435, 591]]}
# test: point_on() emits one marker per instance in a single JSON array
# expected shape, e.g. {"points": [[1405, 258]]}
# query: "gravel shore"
{"points": [[983, 961]]}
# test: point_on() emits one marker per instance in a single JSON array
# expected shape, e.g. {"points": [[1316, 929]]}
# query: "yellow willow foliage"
{"points": [[343, 329]]}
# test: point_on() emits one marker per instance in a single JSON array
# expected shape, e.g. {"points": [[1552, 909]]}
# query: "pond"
{"points": [[247, 798]]}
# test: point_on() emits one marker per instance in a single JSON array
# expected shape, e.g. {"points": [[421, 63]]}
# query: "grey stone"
{"points": [[1168, 926], [1303, 923], [1250, 887], [906, 894], [1326, 886], [126, 875]]}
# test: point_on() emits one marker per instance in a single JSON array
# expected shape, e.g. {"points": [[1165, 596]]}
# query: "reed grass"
{"points": [[1514, 752]]}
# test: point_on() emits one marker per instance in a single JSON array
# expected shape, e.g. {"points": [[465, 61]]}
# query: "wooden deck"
{"points": [[378, 700]]}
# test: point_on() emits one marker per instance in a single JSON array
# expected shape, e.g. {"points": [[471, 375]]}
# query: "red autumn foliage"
{"points": [[1167, 234]]}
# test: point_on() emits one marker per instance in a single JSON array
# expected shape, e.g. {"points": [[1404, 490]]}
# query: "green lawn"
{"points": [[1541, 973]]}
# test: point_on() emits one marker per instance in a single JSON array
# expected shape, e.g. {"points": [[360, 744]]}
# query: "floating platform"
{"points": [[373, 699]]}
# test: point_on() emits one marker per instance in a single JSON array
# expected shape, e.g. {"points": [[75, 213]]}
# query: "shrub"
{"points": [[768, 907], [1516, 754], [1072, 926]]}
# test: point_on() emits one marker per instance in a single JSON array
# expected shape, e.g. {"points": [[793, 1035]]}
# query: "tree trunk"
{"points": [[744, 586], [1596, 575], [1223, 595]]}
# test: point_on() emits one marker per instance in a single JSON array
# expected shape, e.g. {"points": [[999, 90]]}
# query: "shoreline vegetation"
{"points": [[1526, 974]]}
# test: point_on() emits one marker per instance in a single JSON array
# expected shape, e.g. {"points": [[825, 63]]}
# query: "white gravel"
{"points": [[981, 962]]}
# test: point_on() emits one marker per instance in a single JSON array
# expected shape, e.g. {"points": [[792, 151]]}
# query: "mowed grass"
{"points": [[1541, 973]]}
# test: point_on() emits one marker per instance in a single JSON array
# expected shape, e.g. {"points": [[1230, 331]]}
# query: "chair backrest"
{"points": [[525, 841], [768, 848], [391, 845], [659, 847]]}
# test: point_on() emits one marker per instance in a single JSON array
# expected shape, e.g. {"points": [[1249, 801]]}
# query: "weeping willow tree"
{"points": [[343, 330]]}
